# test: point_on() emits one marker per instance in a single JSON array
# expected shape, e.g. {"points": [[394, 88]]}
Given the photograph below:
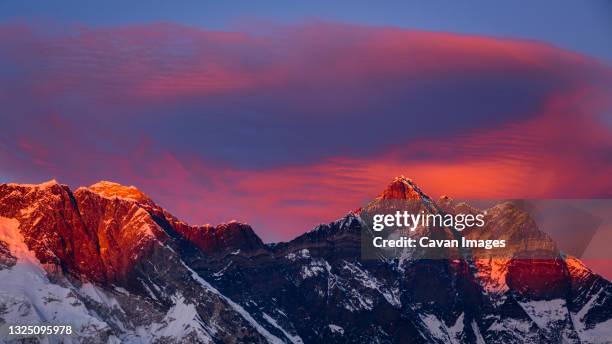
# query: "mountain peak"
{"points": [[402, 188], [112, 189], [43, 185], [232, 235]]}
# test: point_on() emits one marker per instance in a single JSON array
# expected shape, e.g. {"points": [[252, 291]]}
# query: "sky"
{"points": [[577, 25], [284, 117]]}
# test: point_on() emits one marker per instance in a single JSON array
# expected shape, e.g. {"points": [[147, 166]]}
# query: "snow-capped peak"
{"points": [[402, 188], [43, 185], [403, 179], [233, 223], [111, 189]]}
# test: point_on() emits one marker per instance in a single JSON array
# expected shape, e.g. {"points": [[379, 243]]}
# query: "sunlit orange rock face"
{"points": [[110, 189], [101, 232], [124, 231], [86, 233], [401, 194], [213, 239], [401, 188], [53, 227]]}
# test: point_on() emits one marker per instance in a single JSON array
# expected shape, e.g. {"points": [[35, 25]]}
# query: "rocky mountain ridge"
{"points": [[132, 272]]}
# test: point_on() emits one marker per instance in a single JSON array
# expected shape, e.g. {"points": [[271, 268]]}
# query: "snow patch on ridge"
{"points": [[594, 334], [479, 338], [545, 313], [10, 234], [301, 254], [336, 329], [369, 281], [269, 336], [435, 327], [30, 298], [293, 338], [455, 331], [315, 268], [182, 319]]}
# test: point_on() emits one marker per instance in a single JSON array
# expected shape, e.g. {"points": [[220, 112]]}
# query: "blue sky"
{"points": [[584, 26]]}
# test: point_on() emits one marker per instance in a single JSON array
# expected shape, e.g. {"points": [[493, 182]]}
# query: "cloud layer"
{"points": [[296, 125]]}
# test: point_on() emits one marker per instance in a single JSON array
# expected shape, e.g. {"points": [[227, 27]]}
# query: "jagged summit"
{"points": [[42, 185], [230, 223], [232, 235], [402, 188], [112, 189]]}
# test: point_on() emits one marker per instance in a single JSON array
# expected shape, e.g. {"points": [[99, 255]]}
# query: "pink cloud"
{"points": [[326, 113]]}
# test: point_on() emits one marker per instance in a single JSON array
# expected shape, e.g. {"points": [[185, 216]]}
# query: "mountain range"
{"points": [[119, 268]]}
